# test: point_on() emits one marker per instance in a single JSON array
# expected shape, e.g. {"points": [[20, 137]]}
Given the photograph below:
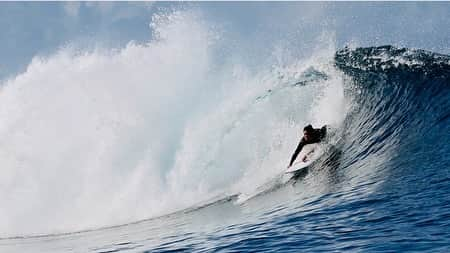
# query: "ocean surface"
{"points": [[382, 187], [178, 142]]}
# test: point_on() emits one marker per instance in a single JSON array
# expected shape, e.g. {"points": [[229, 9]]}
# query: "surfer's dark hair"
{"points": [[308, 128]]}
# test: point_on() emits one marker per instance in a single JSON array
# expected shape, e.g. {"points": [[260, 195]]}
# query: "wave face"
{"points": [[401, 103], [397, 136]]}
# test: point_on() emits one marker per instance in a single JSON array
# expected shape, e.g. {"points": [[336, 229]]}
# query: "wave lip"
{"points": [[387, 57]]}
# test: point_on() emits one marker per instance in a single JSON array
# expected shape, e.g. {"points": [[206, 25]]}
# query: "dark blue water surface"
{"points": [[385, 187]]}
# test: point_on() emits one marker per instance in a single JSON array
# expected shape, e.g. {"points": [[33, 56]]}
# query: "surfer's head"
{"points": [[307, 132]]}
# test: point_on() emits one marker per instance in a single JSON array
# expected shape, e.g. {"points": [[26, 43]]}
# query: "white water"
{"points": [[110, 136]]}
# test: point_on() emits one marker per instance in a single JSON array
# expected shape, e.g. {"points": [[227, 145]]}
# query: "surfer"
{"points": [[310, 135]]}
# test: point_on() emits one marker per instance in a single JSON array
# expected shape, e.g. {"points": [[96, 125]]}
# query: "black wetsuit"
{"points": [[317, 135]]}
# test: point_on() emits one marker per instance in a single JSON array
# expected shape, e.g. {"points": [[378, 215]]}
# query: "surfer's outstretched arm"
{"points": [[297, 150]]}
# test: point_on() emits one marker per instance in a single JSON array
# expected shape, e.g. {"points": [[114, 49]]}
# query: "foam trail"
{"points": [[91, 139]]}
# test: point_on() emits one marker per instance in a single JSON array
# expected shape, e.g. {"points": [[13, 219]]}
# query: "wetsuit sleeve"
{"points": [[297, 151], [323, 132]]}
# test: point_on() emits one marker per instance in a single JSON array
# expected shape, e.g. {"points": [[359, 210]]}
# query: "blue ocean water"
{"points": [[383, 187]]}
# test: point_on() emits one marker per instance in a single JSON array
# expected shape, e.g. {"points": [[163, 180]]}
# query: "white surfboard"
{"points": [[312, 153]]}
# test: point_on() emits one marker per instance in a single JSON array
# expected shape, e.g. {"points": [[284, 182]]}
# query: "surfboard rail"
{"points": [[312, 152]]}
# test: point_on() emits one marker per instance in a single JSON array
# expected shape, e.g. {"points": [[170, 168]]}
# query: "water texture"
{"points": [[112, 152]]}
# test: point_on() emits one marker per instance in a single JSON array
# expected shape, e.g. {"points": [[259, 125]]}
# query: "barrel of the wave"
{"points": [[401, 100]]}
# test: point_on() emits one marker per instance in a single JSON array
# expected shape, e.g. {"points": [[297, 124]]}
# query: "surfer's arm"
{"points": [[323, 132], [297, 151]]}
